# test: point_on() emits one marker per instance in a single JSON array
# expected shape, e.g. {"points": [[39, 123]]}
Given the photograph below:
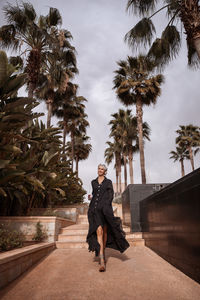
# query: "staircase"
{"points": [[74, 236]]}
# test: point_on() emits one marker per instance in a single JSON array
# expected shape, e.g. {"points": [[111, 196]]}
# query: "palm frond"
{"points": [[193, 58], [164, 49], [29, 11], [141, 7], [54, 18], [7, 37], [173, 7], [141, 34]]}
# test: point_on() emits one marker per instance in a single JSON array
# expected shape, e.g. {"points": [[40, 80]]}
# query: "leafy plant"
{"points": [[40, 234], [33, 172], [10, 239]]}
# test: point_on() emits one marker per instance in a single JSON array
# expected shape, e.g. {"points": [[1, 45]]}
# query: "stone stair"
{"points": [[74, 236]]}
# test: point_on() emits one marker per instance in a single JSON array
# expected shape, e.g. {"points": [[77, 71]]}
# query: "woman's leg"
{"points": [[104, 236], [100, 238]]}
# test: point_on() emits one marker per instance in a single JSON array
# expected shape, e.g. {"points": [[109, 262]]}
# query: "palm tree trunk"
{"points": [[76, 166], [191, 157], [31, 88], [72, 143], [49, 107], [125, 171], [139, 114], [130, 160], [197, 46], [119, 172], [117, 182], [64, 136], [189, 14], [182, 168]]}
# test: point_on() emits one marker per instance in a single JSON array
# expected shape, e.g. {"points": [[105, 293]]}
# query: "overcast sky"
{"points": [[98, 28]]}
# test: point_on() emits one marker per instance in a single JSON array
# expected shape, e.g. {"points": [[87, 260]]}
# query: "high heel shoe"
{"points": [[102, 263]]}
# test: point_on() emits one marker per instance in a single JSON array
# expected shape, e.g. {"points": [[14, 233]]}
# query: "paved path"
{"points": [[72, 274]]}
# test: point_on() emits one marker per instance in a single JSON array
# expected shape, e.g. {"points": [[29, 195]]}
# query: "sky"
{"points": [[98, 28]]}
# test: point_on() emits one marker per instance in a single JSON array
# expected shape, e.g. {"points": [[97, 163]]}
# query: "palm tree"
{"points": [[186, 13], [134, 85], [58, 69], [71, 109], [188, 138], [34, 34], [179, 155], [81, 149], [113, 151], [119, 134], [132, 135]]}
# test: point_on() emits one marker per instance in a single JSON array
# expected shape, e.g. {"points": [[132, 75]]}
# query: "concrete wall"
{"points": [[131, 198], [27, 225], [15, 262], [170, 222]]}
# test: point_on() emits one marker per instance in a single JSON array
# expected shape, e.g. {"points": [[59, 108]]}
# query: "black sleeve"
{"points": [[92, 188], [110, 192]]}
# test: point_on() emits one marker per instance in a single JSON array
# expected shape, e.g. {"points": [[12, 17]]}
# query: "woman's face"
{"points": [[101, 171]]}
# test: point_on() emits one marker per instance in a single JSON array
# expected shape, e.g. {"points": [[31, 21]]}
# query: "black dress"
{"points": [[100, 212]]}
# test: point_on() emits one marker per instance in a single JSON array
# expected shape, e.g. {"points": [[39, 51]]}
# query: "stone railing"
{"points": [[27, 225]]}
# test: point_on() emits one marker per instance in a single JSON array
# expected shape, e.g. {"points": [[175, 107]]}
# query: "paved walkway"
{"points": [[72, 274]]}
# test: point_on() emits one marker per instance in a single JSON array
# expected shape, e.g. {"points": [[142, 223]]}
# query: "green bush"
{"points": [[10, 239], [40, 234]]}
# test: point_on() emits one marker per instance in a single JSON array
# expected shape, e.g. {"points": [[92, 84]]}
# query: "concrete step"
{"points": [[82, 221], [72, 238], [83, 217], [73, 231], [71, 245], [134, 235], [136, 242]]}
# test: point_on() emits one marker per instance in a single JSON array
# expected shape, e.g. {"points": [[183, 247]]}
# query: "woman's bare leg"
{"points": [[104, 236], [100, 238], [100, 241]]}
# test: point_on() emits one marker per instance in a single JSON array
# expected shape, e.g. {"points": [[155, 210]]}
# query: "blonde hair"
{"points": [[104, 166]]}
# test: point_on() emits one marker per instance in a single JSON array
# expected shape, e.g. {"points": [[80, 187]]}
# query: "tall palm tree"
{"points": [[188, 138], [134, 85], [58, 69], [185, 13], [179, 155], [29, 34], [132, 136]]}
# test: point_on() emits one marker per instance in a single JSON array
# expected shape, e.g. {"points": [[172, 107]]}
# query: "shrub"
{"points": [[40, 234], [10, 239]]}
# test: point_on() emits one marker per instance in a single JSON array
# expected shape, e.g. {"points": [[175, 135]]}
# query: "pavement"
{"points": [[72, 274]]}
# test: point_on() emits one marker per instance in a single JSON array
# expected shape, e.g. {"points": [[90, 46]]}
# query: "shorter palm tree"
{"points": [[188, 138], [113, 151], [81, 149], [179, 155]]}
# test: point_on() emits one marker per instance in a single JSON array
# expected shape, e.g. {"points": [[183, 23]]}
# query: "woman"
{"points": [[105, 230]]}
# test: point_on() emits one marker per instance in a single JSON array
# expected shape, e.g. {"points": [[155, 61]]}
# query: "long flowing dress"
{"points": [[100, 212]]}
